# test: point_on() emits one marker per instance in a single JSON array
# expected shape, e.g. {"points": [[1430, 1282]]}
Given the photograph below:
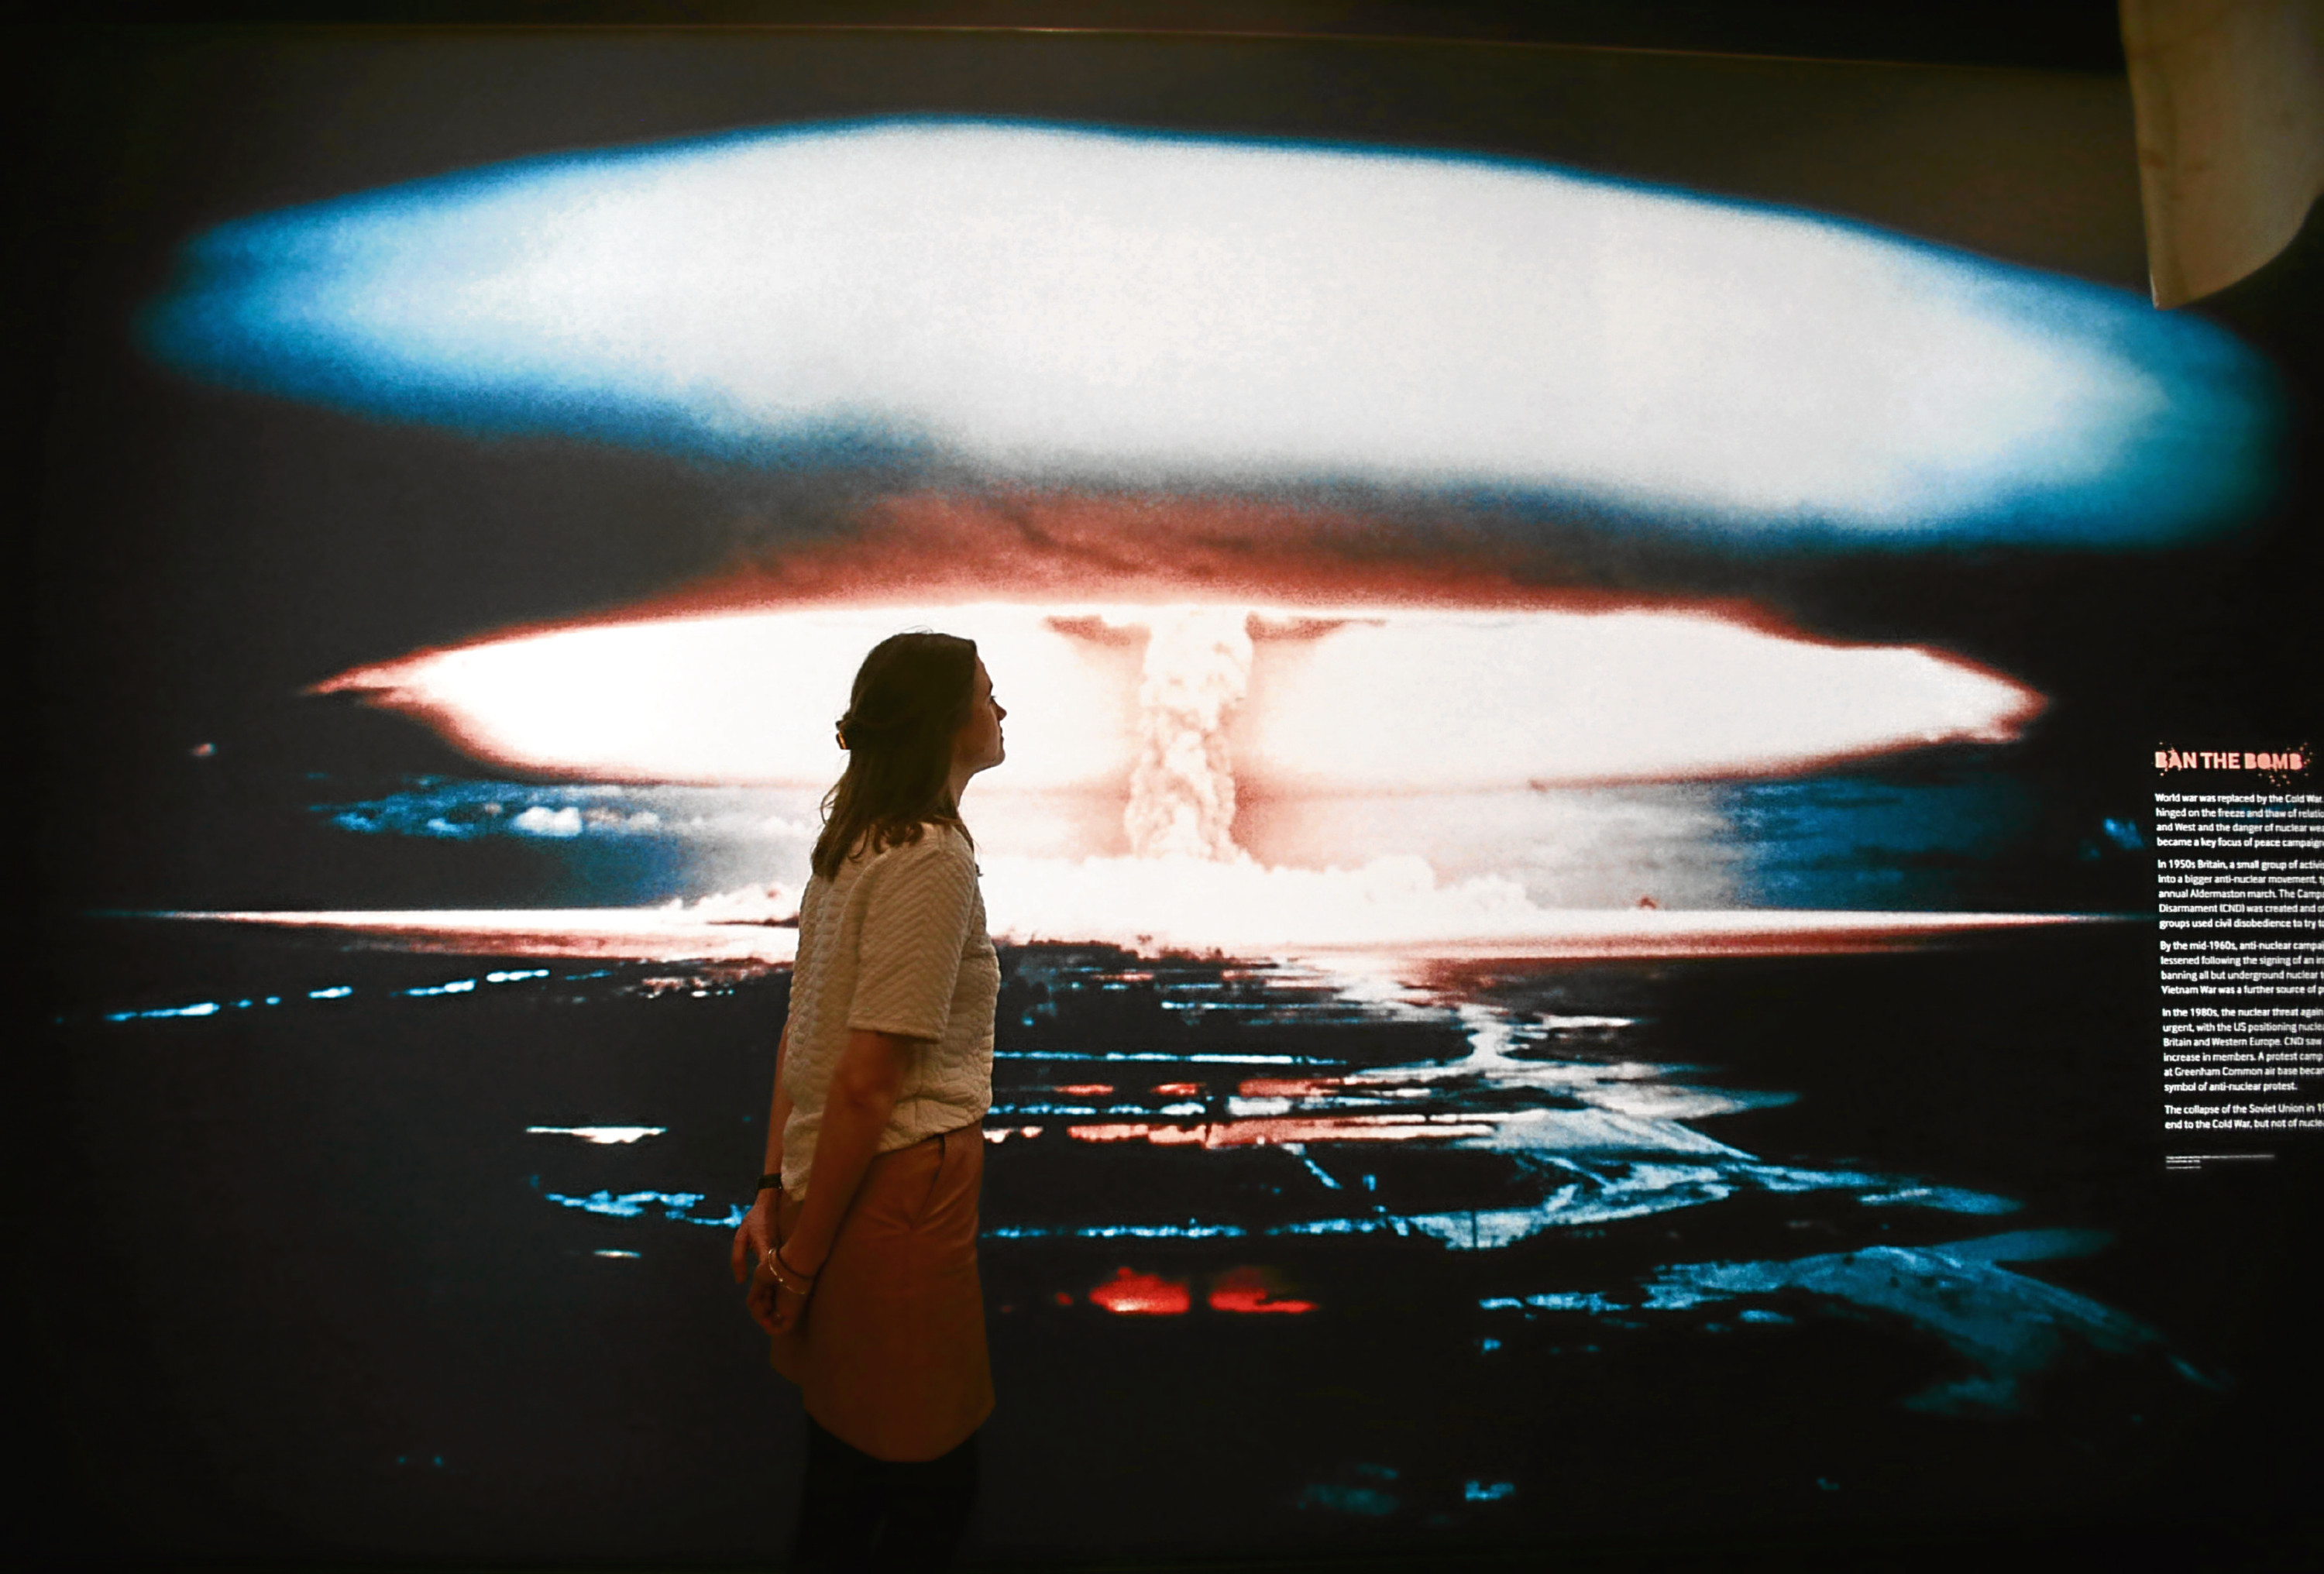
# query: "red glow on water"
{"points": [[1286, 1087], [1131, 1131], [1063, 1299], [1129, 1293], [1253, 1290], [1178, 1090], [1087, 1090]]}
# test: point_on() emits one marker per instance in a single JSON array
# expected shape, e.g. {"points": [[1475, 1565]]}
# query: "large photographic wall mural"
{"points": [[1585, 637]]}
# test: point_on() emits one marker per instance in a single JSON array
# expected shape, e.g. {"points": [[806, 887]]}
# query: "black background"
{"points": [[190, 557]]}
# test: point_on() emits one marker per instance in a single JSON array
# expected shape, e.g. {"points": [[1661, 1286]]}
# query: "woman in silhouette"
{"points": [[860, 1252]]}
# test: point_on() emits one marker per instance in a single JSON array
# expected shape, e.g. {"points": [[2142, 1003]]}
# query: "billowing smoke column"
{"points": [[1181, 791]]}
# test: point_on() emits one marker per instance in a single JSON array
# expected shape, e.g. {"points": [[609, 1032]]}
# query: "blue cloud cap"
{"points": [[1072, 306]]}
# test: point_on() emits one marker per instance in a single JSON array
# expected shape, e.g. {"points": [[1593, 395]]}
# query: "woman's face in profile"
{"points": [[978, 744]]}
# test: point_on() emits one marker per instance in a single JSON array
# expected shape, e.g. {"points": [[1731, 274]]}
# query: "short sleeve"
{"points": [[918, 907]]}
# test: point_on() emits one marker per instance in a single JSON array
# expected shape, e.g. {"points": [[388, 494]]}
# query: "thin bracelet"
{"points": [[782, 1273], [770, 1182], [789, 1278]]}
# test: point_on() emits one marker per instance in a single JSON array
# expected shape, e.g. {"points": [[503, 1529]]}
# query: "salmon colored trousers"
{"points": [[891, 1354]]}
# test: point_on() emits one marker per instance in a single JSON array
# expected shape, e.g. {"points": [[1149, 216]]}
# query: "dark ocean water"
{"points": [[1276, 1259]]}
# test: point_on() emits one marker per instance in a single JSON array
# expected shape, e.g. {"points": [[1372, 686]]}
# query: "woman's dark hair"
{"points": [[911, 696]]}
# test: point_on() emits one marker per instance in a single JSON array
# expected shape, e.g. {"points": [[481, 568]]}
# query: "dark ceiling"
{"points": [[2082, 35]]}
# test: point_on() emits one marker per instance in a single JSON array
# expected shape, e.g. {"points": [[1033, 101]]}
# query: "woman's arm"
{"points": [[861, 1096], [756, 1236]]}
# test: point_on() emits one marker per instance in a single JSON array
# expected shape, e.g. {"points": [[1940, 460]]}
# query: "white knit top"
{"points": [[896, 944]]}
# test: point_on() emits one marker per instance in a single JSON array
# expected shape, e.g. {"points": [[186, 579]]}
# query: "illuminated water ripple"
{"points": [[1577, 1134], [2005, 1326]]}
